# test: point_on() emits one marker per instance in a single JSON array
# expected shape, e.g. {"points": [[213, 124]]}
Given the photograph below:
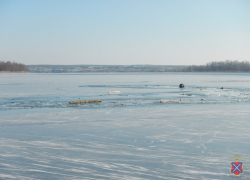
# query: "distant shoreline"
{"points": [[8, 72], [110, 72], [227, 66]]}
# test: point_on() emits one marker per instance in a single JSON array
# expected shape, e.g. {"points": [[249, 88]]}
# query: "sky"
{"points": [[124, 32]]}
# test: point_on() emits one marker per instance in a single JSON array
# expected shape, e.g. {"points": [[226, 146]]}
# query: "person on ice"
{"points": [[181, 86]]}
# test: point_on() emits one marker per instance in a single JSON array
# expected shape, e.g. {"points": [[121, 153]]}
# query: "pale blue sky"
{"points": [[124, 31]]}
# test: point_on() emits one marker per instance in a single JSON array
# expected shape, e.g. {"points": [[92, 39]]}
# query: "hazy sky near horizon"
{"points": [[167, 32]]}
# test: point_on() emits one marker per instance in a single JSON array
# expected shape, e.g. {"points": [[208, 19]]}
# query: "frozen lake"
{"points": [[129, 135]]}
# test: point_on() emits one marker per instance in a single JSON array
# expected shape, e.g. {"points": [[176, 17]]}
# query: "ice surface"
{"points": [[191, 140], [141, 143], [55, 91]]}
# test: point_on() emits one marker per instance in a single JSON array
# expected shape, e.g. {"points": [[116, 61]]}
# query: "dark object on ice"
{"points": [[181, 86], [221, 88], [201, 99], [87, 101]]}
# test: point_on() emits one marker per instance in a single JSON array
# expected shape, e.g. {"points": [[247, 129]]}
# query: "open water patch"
{"points": [[129, 96]]}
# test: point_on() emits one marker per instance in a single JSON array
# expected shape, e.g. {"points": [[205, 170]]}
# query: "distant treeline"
{"points": [[12, 66], [226, 66]]}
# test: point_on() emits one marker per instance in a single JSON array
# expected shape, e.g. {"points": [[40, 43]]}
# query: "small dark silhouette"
{"points": [[181, 86]]}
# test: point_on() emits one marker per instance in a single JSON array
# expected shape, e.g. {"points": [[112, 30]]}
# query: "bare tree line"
{"points": [[226, 66], [12, 66], [222, 66]]}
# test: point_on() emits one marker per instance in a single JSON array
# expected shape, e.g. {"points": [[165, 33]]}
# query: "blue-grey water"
{"points": [[129, 135]]}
